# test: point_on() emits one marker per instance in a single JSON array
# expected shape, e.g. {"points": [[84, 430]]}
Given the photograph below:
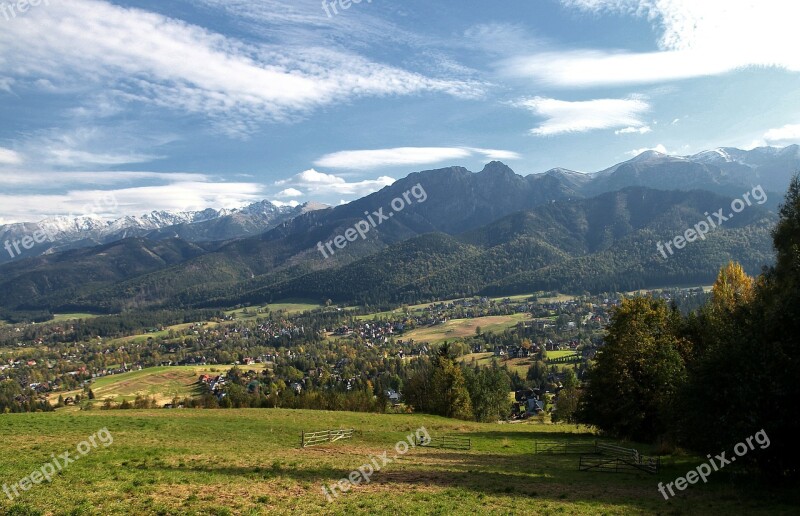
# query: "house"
{"points": [[518, 352], [534, 406], [524, 394], [393, 396]]}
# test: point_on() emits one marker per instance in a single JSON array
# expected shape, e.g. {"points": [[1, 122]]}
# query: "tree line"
{"points": [[707, 380]]}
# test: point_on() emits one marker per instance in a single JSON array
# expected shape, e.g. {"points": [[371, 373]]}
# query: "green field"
{"points": [[560, 353], [138, 339], [423, 306], [248, 462], [71, 317], [412, 309], [520, 365], [290, 306], [162, 383], [459, 328]]}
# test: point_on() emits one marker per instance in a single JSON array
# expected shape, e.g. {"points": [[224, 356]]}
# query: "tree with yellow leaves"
{"points": [[732, 289]]}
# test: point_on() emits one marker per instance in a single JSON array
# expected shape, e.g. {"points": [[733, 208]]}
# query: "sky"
{"points": [[184, 105]]}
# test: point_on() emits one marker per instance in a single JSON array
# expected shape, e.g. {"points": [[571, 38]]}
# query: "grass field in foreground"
{"points": [[248, 462]]}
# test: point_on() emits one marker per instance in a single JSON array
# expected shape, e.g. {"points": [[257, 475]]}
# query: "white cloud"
{"points": [[177, 196], [321, 184], [9, 157], [697, 38], [496, 154], [586, 68], [292, 203], [787, 133], [634, 130], [365, 159], [153, 59], [400, 156], [658, 148], [290, 192], [567, 117]]}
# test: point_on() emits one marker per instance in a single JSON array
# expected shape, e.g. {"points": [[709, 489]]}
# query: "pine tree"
{"points": [[449, 389]]}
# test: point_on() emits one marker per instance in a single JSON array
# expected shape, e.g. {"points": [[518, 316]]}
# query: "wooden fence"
{"points": [[325, 436], [613, 458], [449, 442]]}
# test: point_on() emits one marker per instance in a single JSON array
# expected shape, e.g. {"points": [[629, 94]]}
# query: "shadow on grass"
{"points": [[547, 478]]}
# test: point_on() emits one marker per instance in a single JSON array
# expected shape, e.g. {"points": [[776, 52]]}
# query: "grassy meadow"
{"points": [[460, 328], [248, 462], [486, 359], [72, 317], [289, 306], [162, 383]]}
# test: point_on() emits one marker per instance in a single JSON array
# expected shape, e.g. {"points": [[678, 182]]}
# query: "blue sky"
{"points": [[183, 104]]}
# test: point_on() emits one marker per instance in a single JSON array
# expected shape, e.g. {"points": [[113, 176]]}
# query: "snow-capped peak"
{"points": [[713, 156]]}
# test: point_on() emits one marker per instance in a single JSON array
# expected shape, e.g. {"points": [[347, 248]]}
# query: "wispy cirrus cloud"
{"points": [[153, 59], [399, 156], [71, 158], [562, 116], [85, 146], [697, 39], [15, 176]]}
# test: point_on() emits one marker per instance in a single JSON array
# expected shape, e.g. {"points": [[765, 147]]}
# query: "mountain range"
{"points": [[475, 233], [193, 226]]}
